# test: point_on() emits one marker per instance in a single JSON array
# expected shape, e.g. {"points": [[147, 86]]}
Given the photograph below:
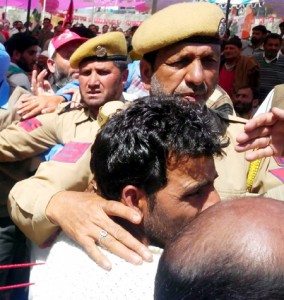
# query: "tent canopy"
{"points": [[53, 6]]}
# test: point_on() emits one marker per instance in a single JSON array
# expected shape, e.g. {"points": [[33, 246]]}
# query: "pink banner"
{"points": [[55, 5]]}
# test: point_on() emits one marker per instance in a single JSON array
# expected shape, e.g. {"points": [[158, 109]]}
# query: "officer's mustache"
{"points": [[192, 89]]}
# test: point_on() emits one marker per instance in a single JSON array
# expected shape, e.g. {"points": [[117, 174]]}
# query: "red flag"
{"points": [[69, 14]]}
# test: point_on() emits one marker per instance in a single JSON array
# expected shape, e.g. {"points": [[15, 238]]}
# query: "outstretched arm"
{"points": [[264, 135], [42, 203]]}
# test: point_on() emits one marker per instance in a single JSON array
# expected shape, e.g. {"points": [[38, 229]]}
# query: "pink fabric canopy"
{"points": [[56, 5]]}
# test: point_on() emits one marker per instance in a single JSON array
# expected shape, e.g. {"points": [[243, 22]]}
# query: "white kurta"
{"points": [[69, 273]]}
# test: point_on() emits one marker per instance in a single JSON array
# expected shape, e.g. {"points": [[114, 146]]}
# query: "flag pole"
{"points": [[154, 6], [28, 16], [43, 10], [227, 12], [93, 12]]}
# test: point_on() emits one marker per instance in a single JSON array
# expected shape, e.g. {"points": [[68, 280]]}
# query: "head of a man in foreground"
{"points": [[157, 157], [234, 250], [102, 69], [182, 59]]}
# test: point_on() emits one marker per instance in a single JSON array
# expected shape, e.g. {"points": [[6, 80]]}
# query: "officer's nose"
{"points": [[195, 73], [93, 79]]}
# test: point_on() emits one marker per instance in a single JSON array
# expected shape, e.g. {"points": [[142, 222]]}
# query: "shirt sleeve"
{"points": [[25, 139], [29, 198]]}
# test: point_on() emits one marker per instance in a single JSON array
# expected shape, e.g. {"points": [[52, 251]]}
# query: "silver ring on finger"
{"points": [[103, 234]]}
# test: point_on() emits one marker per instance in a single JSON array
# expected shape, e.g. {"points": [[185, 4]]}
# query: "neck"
{"points": [[245, 115], [258, 45], [94, 112]]}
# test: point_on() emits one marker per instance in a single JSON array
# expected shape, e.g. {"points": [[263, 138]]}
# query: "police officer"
{"points": [[181, 59], [103, 72]]}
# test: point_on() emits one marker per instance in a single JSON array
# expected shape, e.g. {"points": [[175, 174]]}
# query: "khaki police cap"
{"points": [[108, 46], [177, 22]]}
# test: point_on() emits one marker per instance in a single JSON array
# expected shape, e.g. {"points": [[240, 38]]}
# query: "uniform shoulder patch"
{"points": [[279, 173], [30, 124], [71, 152]]}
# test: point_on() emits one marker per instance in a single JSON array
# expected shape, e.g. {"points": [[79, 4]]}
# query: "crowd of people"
{"points": [[126, 154]]}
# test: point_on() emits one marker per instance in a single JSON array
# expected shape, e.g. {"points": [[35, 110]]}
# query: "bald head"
{"points": [[234, 250]]}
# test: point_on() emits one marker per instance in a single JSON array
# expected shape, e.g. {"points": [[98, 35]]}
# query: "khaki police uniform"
{"points": [[75, 130], [231, 167], [278, 97], [221, 101], [7, 116], [69, 168]]}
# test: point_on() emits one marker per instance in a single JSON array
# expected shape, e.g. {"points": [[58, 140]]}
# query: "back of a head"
{"points": [[20, 41], [134, 146], [233, 250]]}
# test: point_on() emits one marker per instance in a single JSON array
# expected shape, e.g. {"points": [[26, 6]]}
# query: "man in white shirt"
{"points": [[170, 144]]}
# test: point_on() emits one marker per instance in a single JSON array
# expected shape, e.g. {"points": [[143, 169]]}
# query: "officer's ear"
{"points": [[125, 76], [146, 72], [51, 65]]}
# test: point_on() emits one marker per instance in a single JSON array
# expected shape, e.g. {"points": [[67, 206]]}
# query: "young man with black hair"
{"points": [[23, 49], [170, 144]]}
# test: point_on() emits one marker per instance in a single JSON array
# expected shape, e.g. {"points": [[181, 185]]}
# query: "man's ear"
{"points": [[124, 76], [255, 103], [51, 65], [16, 55], [133, 197], [146, 73]]}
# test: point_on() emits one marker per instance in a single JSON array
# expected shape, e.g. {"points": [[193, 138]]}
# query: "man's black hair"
{"points": [[134, 147], [274, 36], [260, 28], [20, 41]]}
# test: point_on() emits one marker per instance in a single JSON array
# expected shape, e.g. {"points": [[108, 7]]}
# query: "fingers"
{"points": [[260, 121], [260, 153], [33, 112], [117, 209], [253, 140], [278, 112], [47, 88], [34, 82], [119, 241], [122, 243], [41, 76], [29, 109], [94, 252], [49, 109]]}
